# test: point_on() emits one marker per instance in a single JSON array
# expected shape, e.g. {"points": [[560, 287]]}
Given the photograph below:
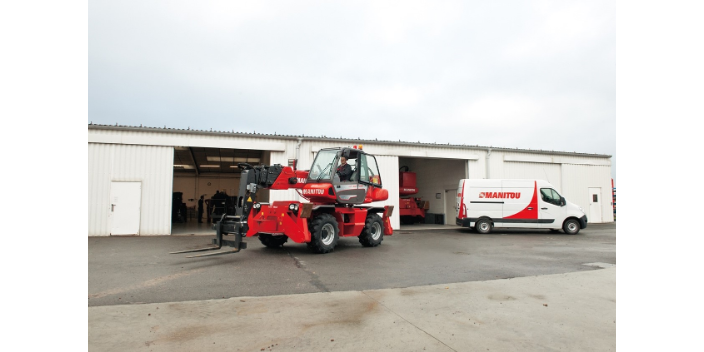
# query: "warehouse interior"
{"points": [[200, 171], [436, 182]]}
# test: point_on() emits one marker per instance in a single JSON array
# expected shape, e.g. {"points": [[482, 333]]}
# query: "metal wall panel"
{"points": [[388, 167], [157, 138], [576, 182], [541, 171], [130, 163], [291, 194], [151, 165]]}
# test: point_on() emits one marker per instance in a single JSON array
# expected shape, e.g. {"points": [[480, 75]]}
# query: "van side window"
{"points": [[550, 196]]}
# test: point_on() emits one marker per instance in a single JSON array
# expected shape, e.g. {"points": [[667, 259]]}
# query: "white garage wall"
{"points": [[151, 161], [150, 165], [578, 179], [388, 167], [541, 171]]}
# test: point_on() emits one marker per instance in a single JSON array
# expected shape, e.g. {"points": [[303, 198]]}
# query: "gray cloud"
{"points": [[534, 75]]}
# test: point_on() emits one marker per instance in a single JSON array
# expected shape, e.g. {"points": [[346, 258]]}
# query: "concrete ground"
{"points": [[563, 312]]}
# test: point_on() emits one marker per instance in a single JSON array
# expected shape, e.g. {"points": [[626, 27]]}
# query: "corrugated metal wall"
{"points": [[147, 156], [542, 171], [578, 179], [388, 167], [150, 165]]}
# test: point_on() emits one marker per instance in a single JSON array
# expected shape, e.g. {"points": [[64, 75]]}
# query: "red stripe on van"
{"points": [[531, 211], [462, 214]]}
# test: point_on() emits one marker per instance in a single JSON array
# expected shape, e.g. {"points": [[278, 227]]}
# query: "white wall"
{"points": [[134, 154], [150, 165]]}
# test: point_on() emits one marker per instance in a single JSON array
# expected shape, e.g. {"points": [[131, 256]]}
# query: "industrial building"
{"points": [[139, 169]]}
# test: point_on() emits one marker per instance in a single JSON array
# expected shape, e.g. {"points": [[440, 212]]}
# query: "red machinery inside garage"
{"points": [[412, 210]]}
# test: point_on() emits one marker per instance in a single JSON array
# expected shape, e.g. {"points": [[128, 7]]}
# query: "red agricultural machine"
{"points": [[335, 209], [411, 209]]}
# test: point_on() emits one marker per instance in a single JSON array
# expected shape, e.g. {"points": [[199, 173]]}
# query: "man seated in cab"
{"points": [[344, 171]]}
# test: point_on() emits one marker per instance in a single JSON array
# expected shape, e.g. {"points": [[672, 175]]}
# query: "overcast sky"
{"points": [[517, 74]]}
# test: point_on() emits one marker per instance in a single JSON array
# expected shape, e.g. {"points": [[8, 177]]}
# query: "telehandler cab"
{"points": [[335, 208]]}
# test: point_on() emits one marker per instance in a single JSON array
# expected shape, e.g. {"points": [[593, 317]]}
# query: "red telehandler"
{"points": [[411, 210], [335, 208]]}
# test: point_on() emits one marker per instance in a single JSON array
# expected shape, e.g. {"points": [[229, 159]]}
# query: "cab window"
{"points": [[322, 167], [368, 170], [550, 196]]}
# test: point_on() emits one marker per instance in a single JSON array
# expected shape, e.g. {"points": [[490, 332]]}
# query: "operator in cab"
{"points": [[344, 170]]}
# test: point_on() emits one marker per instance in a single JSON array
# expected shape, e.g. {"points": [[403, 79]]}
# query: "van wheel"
{"points": [[571, 227], [483, 226]]}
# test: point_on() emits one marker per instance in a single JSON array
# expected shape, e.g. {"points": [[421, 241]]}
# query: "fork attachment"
{"points": [[227, 226]]}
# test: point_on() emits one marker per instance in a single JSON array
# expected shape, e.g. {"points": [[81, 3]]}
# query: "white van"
{"points": [[483, 204]]}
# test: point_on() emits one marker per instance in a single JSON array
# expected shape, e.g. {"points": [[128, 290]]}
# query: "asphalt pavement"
{"points": [[433, 290]]}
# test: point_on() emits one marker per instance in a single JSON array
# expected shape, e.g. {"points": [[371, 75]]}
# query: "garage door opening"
{"points": [[435, 190], [213, 174]]}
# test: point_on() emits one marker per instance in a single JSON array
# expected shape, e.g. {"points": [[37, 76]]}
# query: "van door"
{"points": [[594, 205], [551, 210]]}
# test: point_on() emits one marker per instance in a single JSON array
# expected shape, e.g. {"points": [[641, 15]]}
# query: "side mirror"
{"points": [[562, 201]]}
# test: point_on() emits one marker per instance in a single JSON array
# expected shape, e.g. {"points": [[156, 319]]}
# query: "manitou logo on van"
{"points": [[500, 195], [313, 191]]}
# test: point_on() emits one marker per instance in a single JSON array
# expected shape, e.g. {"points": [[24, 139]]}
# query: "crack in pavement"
{"points": [[314, 278]]}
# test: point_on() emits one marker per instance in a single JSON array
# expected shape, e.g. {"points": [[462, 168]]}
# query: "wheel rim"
{"points": [[484, 226], [328, 233], [375, 231], [572, 227]]}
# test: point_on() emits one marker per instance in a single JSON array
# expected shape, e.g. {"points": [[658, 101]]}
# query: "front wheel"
{"points": [[571, 227], [324, 234], [373, 232], [272, 241], [483, 226]]}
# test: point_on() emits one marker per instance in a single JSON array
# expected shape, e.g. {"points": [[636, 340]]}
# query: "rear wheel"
{"points": [[272, 241], [324, 234], [571, 227], [373, 232], [483, 226]]}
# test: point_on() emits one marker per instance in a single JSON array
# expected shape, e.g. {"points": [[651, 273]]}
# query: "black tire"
{"points": [[373, 231], [272, 241], [483, 226], [324, 234], [571, 226]]}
